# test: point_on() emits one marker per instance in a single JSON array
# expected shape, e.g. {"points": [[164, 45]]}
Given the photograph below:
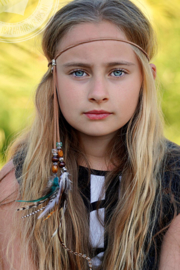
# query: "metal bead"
{"points": [[54, 152], [53, 62], [61, 159]]}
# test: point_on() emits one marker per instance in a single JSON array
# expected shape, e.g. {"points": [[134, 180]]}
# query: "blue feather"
{"points": [[54, 187]]}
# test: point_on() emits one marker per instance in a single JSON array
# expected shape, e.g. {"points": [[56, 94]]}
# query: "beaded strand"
{"points": [[58, 159]]}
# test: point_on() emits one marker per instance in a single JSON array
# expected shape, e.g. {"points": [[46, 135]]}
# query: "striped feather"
{"points": [[50, 215], [36, 204], [33, 213]]}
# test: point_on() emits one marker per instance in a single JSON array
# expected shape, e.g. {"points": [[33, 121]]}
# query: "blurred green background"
{"points": [[22, 65]]}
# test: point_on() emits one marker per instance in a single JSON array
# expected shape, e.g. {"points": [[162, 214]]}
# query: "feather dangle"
{"points": [[27, 207], [63, 188], [33, 213], [55, 185], [50, 215], [58, 188]]}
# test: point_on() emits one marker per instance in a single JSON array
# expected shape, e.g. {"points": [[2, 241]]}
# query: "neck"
{"points": [[96, 152]]}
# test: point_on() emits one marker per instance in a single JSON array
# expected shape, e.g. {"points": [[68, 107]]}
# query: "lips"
{"points": [[97, 114]]}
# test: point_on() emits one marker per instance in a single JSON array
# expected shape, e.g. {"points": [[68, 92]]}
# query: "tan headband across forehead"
{"points": [[94, 40]]}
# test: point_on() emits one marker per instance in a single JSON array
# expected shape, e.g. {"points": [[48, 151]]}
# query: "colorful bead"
{"points": [[54, 168], [59, 145], [55, 159], [60, 153], [62, 164]]}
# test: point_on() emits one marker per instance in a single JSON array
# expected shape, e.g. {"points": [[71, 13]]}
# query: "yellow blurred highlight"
{"points": [[24, 8]]}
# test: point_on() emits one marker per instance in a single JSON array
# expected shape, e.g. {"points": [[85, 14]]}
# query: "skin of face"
{"points": [[99, 82]]}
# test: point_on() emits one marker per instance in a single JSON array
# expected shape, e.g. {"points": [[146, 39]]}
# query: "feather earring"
{"points": [[36, 204], [60, 185]]}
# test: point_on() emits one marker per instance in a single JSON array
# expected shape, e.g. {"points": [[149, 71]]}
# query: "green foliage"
{"points": [[22, 65], [166, 22]]}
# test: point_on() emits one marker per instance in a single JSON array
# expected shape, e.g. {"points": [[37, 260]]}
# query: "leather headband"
{"points": [[93, 40]]}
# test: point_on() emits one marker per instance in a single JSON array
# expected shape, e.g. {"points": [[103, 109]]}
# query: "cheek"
{"points": [[66, 109], [68, 91], [128, 98], [66, 94], [66, 103], [69, 101]]}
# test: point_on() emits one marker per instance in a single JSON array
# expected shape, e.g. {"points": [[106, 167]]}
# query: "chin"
{"points": [[99, 134]]}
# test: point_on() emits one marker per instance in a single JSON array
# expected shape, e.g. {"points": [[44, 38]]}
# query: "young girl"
{"points": [[107, 195]]}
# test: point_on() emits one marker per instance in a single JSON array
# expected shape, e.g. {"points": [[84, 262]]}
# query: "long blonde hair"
{"points": [[139, 148]]}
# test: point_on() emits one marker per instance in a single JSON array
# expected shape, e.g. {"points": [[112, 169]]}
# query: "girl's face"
{"points": [[98, 82]]}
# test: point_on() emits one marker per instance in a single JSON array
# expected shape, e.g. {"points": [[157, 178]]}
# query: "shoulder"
{"points": [[172, 155], [168, 222], [170, 251], [170, 183], [8, 196], [172, 165], [9, 228], [173, 149], [8, 182]]}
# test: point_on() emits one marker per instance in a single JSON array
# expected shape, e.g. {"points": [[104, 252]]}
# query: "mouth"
{"points": [[97, 114]]}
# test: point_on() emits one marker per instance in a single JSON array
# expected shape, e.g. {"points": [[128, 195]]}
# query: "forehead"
{"points": [[98, 49], [88, 31]]}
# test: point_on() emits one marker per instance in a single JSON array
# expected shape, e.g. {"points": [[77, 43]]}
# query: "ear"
{"points": [[154, 71]]}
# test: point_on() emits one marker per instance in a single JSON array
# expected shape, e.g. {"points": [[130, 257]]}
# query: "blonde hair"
{"points": [[139, 148]]}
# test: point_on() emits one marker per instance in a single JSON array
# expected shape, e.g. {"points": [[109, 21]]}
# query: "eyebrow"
{"points": [[121, 63]]}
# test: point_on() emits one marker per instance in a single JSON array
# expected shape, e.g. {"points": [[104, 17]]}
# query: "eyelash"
{"points": [[84, 72], [76, 70], [119, 69]]}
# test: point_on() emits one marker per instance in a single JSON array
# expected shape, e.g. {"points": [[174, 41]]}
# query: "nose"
{"points": [[98, 91]]}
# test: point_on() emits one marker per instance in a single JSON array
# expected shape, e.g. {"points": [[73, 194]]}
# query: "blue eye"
{"points": [[117, 73], [78, 73]]}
